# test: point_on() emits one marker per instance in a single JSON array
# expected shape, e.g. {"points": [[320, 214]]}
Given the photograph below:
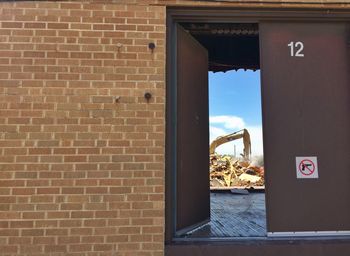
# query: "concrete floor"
{"points": [[234, 215]]}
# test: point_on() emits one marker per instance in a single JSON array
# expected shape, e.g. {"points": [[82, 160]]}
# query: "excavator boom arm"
{"points": [[233, 136]]}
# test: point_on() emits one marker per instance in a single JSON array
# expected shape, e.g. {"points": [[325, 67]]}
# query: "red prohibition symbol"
{"points": [[307, 167]]}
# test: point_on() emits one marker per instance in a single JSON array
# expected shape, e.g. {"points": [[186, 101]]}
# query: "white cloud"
{"points": [[229, 122], [216, 132]]}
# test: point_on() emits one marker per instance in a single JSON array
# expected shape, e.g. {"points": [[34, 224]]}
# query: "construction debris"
{"points": [[249, 178], [227, 172]]}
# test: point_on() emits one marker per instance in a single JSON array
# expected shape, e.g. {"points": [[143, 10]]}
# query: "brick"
{"points": [[102, 247], [75, 158], [81, 231], [43, 240], [102, 99], [32, 232], [81, 55], [40, 151], [101, 55], [30, 249], [46, 191], [32, 24], [12, 183], [71, 6], [55, 248], [69, 240], [23, 191], [11, 25], [120, 190], [11, 249], [73, 191], [96, 190], [64, 151], [7, 200], [103, 27], [34, 54], [47, 207], [71, 206], [92, 239], [80, 247], [42, 199], [33, 215], [19, 240], [5, 191], [21, 224]]}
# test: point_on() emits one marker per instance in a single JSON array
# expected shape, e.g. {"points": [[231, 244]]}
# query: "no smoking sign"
{"points": [[306, 167]]}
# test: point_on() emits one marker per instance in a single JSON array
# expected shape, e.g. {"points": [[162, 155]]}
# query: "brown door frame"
{"points": [[177, 15]]}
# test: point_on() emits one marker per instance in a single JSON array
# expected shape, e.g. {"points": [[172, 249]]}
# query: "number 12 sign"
{"points": [[296, 49]]}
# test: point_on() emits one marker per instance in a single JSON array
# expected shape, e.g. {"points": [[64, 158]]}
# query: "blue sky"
{"points": [[234, 104]]}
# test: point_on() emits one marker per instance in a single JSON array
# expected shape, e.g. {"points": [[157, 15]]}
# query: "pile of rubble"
{"points": [[228, 172]]}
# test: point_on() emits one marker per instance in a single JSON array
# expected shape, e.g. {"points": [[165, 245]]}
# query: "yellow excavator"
{"points": [[234, 136]]}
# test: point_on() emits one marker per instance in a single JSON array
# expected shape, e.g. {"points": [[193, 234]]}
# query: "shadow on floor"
{"points": [[234, 215]]}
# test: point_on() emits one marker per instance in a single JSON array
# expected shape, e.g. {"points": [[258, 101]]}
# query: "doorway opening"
{"points": [[297, 112], [236, 169]]}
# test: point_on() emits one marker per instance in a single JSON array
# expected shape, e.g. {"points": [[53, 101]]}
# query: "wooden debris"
{"points": [[249, 178], [228, 172]]}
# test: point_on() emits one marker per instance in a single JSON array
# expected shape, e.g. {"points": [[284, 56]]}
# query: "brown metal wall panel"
{"points": [[193, 203], [306, 112]]}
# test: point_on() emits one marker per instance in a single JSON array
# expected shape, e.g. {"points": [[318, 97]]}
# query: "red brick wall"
{"points": [[81, 173]]}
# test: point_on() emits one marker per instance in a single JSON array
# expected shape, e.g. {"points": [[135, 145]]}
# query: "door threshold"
{"points": [[292, 239]]}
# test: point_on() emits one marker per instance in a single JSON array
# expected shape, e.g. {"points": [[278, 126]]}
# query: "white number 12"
{"points": [[299, 47]]}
